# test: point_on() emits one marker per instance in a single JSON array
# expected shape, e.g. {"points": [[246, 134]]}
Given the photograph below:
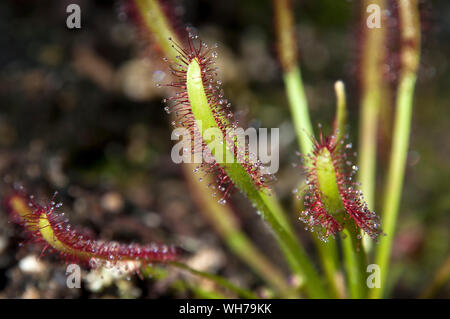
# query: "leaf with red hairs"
{"points": [[47, 227]]}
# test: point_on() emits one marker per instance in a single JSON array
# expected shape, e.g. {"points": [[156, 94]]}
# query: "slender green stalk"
{"points": [[372, 84], [441, 277], [332, 201], [410, 51], [327, 252], [302, 124], [288, 55], [182, 286], [241, 292], [206, 294], [157, 23], [372, 88], [297, 258], [220, 216]]}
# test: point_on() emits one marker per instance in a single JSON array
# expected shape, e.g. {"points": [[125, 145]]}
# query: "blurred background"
{"points": [[80, 114]]}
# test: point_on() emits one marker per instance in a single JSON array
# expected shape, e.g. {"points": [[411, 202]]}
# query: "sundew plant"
{"points": [[333, 235]]}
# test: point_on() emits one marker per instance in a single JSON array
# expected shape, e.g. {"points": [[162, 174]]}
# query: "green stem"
{"points": [[328, 253], [241, 292], [287, 51], [395, 176], [182, 286], [263, 199], [299, 109], [157, 23], [288, 55], [223, 220], [302, 123], [354, 258], [441, 277], [410, 52], [329, 258], [353, 252], [372, 85]]}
